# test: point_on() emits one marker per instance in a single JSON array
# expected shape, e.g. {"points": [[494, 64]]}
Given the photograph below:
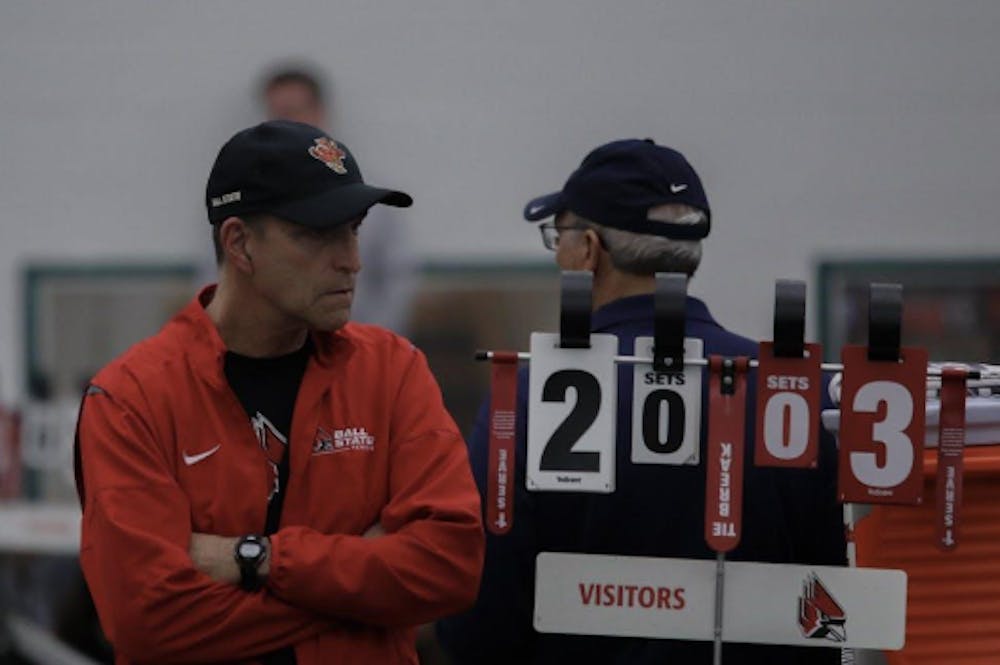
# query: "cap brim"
{"points": [[544, 206], [340, 205]]}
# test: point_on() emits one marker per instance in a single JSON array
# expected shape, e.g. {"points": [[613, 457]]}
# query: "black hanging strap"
{"points": [[789, 318], [885, 313], [668, 323], [576, 303]]}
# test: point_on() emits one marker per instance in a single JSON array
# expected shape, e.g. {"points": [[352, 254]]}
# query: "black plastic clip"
{"points": [[789, 318], [727, 377], [668, 322], [885, 313], [575, 305]]}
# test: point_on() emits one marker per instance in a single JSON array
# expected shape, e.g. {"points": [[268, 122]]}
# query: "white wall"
{"points": [[846, 127]]}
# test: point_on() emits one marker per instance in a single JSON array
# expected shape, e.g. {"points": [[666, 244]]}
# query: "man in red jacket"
{"points": [[263, 481]]}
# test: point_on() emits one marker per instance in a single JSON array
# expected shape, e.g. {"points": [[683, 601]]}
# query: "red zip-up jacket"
{"points": [[370, 442]]}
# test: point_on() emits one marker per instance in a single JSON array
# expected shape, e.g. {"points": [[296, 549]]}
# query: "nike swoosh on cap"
{"points": [[194, 459], [674, 189]]}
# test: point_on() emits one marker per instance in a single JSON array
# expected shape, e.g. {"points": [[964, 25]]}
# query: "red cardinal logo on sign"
{"points": [[328, 152], [820, 616]]}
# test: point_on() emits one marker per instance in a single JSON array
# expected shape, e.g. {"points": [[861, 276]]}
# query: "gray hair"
{"points": [[641, 254]]}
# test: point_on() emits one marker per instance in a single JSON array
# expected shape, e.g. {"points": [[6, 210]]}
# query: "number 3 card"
{"points": [[572, 401], [882, 427], [666, 408]]}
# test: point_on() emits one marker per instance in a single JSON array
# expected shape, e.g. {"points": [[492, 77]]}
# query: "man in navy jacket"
{"points": [[630, 210]]}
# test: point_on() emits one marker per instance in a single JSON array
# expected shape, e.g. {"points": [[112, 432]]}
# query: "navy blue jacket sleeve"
{"points": [[498, 629]]}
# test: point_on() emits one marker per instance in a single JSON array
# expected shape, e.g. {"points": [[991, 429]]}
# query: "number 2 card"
{"points": [[572, 402]]}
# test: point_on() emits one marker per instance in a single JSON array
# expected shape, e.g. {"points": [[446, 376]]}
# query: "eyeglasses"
{"points": [[550, 233]]}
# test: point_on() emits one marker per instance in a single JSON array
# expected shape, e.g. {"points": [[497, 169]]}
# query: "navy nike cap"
{"points": [[618, 183]]}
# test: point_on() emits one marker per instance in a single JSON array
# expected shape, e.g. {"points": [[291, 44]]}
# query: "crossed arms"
{"points": [[164, 593]]}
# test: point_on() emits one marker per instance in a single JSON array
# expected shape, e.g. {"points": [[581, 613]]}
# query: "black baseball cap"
{"points": [[619, 182], [293, 171]]}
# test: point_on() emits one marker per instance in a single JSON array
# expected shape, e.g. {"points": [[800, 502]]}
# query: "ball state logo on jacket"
{"points": [[342, 441], [328, 152], [820, 616]]}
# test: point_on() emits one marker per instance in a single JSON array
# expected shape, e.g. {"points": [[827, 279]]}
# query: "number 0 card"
{"points": [[788, 407], [572, 400], [666, 409]]}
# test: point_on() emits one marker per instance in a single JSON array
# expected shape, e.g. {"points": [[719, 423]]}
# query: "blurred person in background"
{"points": [[632, 209], [387, 285], [264, 481]]}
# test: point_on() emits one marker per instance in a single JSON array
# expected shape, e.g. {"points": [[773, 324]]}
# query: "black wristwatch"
{"points": [[250, 552]]}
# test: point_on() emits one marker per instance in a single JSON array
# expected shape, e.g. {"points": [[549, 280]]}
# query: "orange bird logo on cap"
{"points": [[328, 152]]}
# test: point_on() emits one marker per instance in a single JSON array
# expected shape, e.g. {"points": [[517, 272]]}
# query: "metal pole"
{"points": [[720, 580], [982, 378]]}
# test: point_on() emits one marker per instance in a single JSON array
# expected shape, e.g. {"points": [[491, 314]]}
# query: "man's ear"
{"points": [[233, 236], [593, 249]]}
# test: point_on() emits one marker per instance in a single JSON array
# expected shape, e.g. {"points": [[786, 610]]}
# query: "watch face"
{"points": [[250, 550]]}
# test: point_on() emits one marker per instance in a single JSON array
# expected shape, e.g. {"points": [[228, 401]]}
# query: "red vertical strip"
{"points": [[951, 448], [724, 482], [499, 497], [10, 454]]}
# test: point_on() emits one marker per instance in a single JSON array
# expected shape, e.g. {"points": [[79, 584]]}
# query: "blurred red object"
{"points": [[10, 453]]}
